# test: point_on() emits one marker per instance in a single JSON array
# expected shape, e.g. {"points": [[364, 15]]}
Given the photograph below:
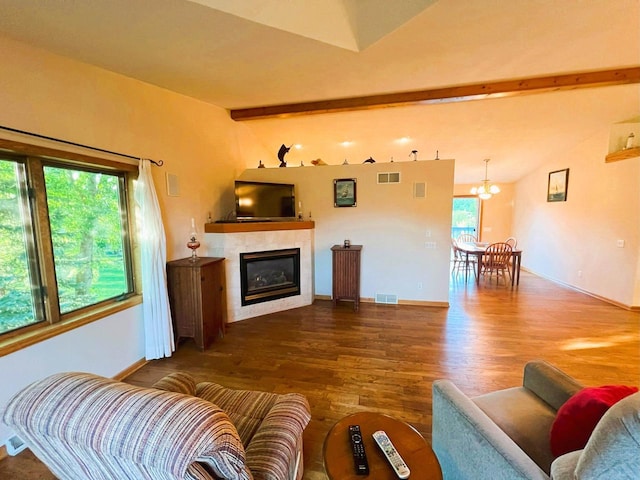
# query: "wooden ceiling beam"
{"points": [[503, 88]]}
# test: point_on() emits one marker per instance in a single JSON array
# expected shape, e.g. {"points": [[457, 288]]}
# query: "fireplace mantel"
{"points": [[240, 227]]}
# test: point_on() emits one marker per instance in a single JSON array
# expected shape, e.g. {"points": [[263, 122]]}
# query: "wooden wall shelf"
{"points": [[623, 155], [256, 226]]}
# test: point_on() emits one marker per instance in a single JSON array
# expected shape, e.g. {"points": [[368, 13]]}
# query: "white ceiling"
{"points": [[246, 53]]}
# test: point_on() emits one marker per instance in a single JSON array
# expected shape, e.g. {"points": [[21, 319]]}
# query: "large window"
{"points": [[64, 238], [20, 299]]}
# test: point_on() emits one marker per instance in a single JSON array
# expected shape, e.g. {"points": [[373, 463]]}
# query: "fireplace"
{"points": [[266, 276]]}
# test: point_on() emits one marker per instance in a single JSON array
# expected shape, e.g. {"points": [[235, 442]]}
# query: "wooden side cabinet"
{"points": [[346, 274], [197, 299]]}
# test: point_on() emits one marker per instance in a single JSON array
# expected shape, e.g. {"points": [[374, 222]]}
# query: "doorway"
{"points": [[465, 216]]}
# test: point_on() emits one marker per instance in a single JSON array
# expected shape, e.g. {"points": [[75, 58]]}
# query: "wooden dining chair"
{"points": [[456, 255], [467, 238], [460, 261], [496, 259], [512, 241]]}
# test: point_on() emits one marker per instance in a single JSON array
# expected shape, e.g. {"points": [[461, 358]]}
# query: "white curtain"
{"points": [[158, 331]]}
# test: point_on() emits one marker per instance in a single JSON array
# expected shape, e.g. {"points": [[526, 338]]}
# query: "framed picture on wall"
{"points": [[344, 192], [558, 184]]}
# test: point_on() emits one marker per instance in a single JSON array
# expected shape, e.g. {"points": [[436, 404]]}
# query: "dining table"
{"points": [[478, 249]]}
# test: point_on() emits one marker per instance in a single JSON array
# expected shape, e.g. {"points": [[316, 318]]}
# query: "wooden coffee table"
{"points": [[416, 452]]}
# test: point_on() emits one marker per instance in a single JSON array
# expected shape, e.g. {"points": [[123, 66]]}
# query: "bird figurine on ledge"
{"points": [[281, 153], [369, 160]]}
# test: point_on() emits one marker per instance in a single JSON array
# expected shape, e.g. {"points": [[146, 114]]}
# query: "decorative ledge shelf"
{"points": [[240, 227], [622, 155]]}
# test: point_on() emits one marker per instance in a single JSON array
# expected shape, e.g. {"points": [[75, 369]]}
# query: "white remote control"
{"points": [[396, 461]]}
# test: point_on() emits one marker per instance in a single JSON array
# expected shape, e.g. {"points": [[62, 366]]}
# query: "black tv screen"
{"points": [[264, 201]]}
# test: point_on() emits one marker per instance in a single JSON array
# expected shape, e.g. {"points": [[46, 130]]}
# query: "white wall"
{"points": [[199, 143], [57, 97], [574, 242], [388, 221]]}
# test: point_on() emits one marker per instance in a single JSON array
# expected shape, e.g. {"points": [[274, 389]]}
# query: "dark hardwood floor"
{"points": [[384, 358]]}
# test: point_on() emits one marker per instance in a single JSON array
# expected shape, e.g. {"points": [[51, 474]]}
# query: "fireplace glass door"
{"points": [[266, 276]]}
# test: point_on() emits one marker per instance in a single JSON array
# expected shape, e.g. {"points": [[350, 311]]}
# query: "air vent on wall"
{"points": [[419, 190], [389, 298], [173, 186], [389, 177]]}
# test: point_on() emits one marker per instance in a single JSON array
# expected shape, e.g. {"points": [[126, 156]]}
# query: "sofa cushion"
{"points": [[577, 418], [246, 426], [246, 408], [269, 424], [525, 418]]}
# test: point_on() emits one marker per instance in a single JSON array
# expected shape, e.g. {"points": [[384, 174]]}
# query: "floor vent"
{"points": [[388, 298], [15, 445]]}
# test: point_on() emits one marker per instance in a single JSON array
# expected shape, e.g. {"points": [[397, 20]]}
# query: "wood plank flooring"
{"points": [[384, 358]]}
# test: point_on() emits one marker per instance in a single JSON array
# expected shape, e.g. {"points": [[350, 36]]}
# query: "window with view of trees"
{"points": [[64, 239], [465, 216]]}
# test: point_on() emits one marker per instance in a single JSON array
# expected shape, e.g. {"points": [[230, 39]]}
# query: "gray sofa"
{"points": [[505, 434]]}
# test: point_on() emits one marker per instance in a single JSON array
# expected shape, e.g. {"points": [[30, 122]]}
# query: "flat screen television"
{"points": [[259, 201]]}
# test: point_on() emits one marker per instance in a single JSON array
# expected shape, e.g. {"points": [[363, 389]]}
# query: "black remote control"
{"points": [[357, 447]]}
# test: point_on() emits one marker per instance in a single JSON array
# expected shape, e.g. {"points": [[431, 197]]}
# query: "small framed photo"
{"points": [[344, 192], [558, 185]]}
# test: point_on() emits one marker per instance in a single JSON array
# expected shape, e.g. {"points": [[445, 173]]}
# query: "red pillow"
{"points": [[577, 418]]}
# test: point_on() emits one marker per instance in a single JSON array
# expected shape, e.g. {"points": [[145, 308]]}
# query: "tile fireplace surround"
{"points": [[229, 240]]}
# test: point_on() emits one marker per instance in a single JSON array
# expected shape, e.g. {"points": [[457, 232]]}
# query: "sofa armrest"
{"points": [[469, 445], [613, 450], [273, 451], [549, 383], [77, 421]]}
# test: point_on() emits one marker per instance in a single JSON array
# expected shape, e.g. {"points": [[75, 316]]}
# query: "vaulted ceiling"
{"points": [[247, 53]]}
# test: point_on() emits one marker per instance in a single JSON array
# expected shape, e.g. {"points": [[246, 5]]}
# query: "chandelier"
{"points": [[487, 189]]}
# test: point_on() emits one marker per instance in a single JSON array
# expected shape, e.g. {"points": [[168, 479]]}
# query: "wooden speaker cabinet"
{"points": [[346, 274], [197, 299]]}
